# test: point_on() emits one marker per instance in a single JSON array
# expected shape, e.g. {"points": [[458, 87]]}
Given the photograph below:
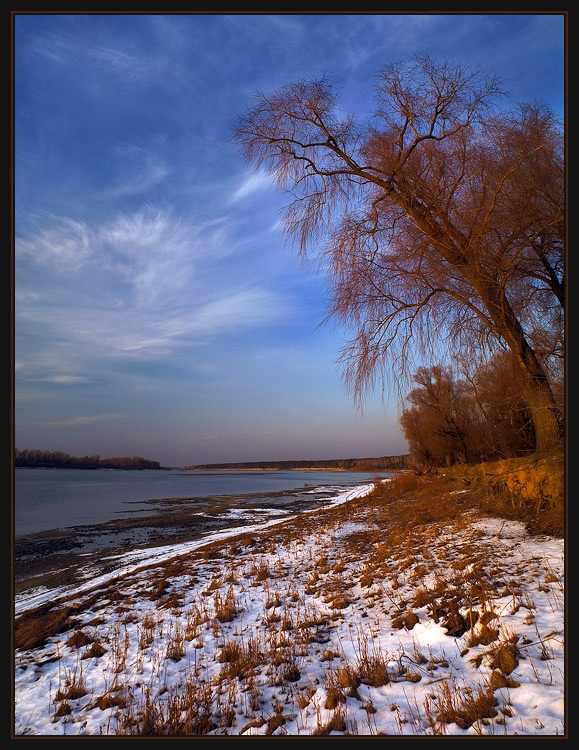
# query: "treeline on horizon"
{"points": [[384, 463], [59, 460]]}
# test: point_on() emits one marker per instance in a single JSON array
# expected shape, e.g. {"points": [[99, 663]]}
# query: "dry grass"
{"points": [[33, 629], [407, 525], [529, 489], [465, 707]]}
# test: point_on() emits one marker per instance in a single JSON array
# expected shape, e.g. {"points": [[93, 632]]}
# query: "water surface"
{"points": [[47, 499]]}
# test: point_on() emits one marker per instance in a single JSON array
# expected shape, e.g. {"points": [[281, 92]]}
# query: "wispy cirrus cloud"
{"points": [[126, 243], [253, 183], [68, 49], [64, 243], [140, 286], [82, 420], [67, 379], [138, 171]]}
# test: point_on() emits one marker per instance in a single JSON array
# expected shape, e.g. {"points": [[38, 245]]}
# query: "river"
{"points": [[48, 499]]}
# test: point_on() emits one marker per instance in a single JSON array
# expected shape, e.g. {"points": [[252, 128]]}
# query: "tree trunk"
{"points": [[537, 393], [535, 387]]}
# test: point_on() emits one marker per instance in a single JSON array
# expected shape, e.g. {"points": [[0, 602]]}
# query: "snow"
{"points": [[275, 629]]}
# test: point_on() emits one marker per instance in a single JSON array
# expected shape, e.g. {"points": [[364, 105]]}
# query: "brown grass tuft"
{"points": [[466, 707], [32, 629]]}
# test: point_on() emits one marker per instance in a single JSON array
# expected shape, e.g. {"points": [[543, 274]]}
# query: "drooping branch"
{"points": [[441, 217]]}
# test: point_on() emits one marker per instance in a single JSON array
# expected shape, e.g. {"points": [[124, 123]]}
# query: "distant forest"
{"points": [[60, 460], [341, 464]]}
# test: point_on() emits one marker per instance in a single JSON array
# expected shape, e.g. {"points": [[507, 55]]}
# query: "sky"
{"points": [[158, 310]]}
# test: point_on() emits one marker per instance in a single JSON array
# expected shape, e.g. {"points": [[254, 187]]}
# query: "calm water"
{"points": [[47, 499]]}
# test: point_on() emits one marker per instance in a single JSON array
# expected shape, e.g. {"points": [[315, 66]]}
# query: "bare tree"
{"points": [[442, 418], [439, 222], [480, 416], [505, 428]]}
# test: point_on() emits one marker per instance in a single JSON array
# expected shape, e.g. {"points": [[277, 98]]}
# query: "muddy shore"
{"points": [[61, 557]]}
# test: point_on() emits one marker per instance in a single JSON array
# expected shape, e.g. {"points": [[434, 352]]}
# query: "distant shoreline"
{"points": [[364, 465], [36, 459], [307, 468], [275, 468]]}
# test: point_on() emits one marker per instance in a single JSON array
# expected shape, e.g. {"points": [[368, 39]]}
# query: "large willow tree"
{"points": [[440, 221]]}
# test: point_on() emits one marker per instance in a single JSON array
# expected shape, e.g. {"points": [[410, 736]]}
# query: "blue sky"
{"points": [[158, 311]]}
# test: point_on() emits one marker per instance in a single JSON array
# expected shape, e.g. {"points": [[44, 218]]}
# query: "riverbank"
{"points": [[404, 612], [62, 557]]}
